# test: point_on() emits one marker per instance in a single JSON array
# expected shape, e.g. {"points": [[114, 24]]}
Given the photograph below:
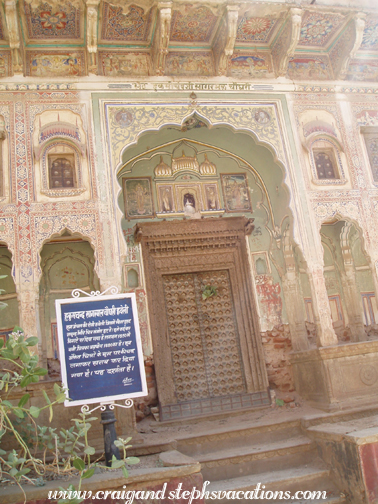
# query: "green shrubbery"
{"points": [[38, 450]]}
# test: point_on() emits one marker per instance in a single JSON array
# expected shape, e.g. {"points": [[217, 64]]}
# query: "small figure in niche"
{"points": [[189, 203], [166, 202]]}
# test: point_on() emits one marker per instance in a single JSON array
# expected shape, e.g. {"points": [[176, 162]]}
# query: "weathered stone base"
{"points": [[338, 377]]}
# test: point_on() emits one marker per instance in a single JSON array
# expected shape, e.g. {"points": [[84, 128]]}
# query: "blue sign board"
{"points": [[100, 349]]}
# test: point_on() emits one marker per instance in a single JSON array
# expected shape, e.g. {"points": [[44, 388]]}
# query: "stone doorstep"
{"points": [[257, 452], [337, 416], [109, 480], [350, 431]]}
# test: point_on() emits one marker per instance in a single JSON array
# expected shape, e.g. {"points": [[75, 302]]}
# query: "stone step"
{"points": [[257, 458], [309, 478], [238, 437]]}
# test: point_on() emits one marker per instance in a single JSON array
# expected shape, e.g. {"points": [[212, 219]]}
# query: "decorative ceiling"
{"points": [[247, 40]]}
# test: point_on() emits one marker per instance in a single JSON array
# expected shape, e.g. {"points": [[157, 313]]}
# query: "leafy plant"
{"points": [[2, 304], [208, 291], [67, 450]]}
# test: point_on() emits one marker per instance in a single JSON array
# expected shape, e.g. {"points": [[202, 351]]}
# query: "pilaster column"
{"points": [[326, 335], [354, 304], [295, 312]]}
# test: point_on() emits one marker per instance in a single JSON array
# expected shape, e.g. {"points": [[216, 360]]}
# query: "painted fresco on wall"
{"points": [[195, 63], [192, 123], [1, 28], [250, 64], [317, 28], [269, 294], [236, 193], [124, 64], [370, 37], [138, 197], [255, 29], [132, 26], [211, 196], [192, 25], [62, 22], [166, 201], [363, 70], [309, 67], [55, 64], [5, 64]]}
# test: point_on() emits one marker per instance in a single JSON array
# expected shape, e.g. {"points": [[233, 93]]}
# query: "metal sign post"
{"points": [[101, 355]]}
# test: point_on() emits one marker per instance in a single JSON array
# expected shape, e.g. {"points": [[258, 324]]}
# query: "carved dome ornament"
{"points": [[185, 163], [162, 169], [207, 167]]}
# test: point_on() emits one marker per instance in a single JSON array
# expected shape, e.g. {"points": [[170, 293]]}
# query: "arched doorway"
{"points": [[67, 263], [210, 178]]}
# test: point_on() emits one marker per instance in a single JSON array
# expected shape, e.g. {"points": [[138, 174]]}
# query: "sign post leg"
{"points": [[108, 420]]}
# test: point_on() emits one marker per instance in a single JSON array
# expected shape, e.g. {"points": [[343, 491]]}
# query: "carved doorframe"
{"points": [[190, 246]]}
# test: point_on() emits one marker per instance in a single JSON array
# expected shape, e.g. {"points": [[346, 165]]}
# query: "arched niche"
{"points": [[349, 279], [67, 263], [224, 171], [9, 313]]}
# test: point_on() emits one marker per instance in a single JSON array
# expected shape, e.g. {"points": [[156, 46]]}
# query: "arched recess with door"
{"points": [[213, 186], [67, 263]]}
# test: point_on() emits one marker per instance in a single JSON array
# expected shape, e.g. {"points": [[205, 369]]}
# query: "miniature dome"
{"points": [[207, 167], [162, 169]]}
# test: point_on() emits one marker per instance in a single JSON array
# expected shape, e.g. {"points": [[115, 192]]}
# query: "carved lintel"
{"points": [[229, 44], [291, 41], [249, 227], [161, 42], [359, 25]]}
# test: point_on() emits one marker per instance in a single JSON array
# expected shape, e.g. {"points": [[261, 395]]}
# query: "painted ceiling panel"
{"points": [[193, 25], [370, 38], [134, 26], [46, 22], [255, 29], [318, 28]]}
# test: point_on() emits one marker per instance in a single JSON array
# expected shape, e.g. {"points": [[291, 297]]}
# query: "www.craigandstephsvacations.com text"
{"points": [[128, 496]]}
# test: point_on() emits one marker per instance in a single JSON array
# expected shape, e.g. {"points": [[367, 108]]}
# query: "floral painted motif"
{"points": [[195, 25], [255, 29], [45, 22], [133, 26], [317, 28], [370, 38]]}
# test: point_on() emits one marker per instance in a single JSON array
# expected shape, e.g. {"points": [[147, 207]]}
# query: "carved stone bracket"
{"points": [[13, 34], [161, 41], [288, 41], [229, 43], [92, 17], [359, 26]]}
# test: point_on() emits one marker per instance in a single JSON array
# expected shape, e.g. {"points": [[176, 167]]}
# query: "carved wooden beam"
{"points": [[13, 34], [229, 43], [161, 41], [359, 27], [92, 18], [285, 46]]}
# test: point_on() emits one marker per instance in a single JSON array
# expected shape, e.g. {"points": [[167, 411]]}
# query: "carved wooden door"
{"points": [[204, 342]]}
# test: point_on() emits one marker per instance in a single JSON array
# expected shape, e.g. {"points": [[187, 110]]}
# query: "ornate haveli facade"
{"points": [[220, 150]]}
